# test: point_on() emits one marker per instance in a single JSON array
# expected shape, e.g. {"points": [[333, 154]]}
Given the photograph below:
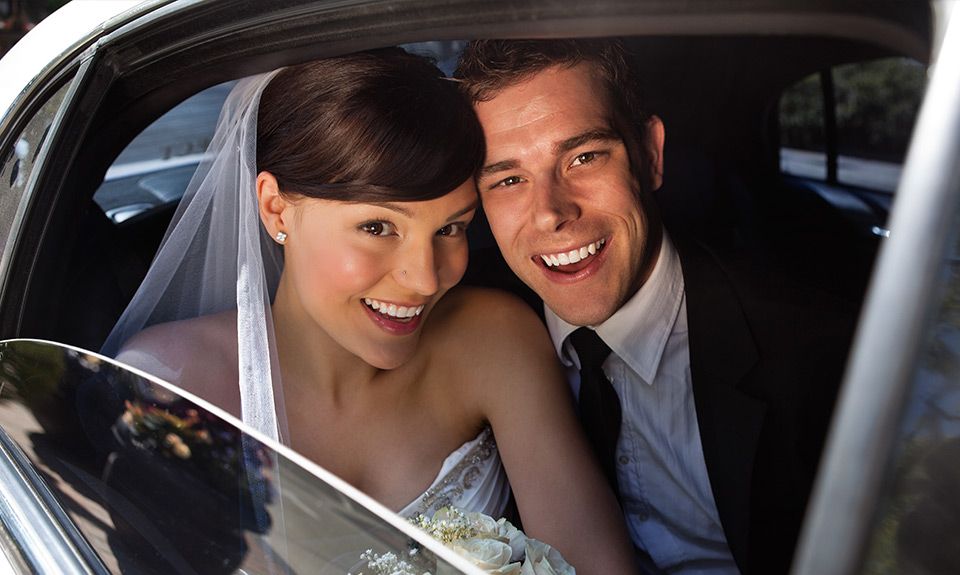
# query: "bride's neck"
{"points": [[309, 357]]}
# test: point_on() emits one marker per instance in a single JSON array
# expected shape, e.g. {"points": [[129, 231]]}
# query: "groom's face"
{"points": [[562, 201]]}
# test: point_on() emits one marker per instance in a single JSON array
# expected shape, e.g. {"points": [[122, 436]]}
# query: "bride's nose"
{"points": [[416, 269]]}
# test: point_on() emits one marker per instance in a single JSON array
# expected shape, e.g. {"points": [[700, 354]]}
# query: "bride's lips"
{"points": [[408, 321], [573, 265]]}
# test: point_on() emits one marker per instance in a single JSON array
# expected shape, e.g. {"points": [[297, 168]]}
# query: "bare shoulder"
{"points": [[491, 335], [198, 354], [470, 315]]}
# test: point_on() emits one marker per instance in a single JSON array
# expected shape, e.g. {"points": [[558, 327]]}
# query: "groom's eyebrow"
{"points": [[561, 147], [595, 135], [498, 167]]}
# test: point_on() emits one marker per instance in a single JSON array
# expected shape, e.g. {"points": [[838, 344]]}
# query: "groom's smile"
{"points": [[567, 261]]}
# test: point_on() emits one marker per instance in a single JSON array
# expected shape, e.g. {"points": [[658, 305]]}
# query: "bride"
{"points": [[313, 261]]}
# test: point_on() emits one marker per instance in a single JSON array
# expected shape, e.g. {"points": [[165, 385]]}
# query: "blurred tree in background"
{"points": [[876, 105], [801, 115]]}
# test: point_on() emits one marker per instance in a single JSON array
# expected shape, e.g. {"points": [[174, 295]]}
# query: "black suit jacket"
{"points": [[766, 360]]}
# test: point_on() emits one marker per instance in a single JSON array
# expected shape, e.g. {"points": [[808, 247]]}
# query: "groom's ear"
{"points": [[272, 204]]}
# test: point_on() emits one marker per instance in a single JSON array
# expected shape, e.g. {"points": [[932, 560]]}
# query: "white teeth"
{"points": [[573, 256], [393, 310]]}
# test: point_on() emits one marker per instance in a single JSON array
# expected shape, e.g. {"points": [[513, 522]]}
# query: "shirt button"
{"points": [[623, 459]]}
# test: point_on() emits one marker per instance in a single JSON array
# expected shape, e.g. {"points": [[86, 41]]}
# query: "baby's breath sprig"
{"points": [[387, 564], [447, 525]]}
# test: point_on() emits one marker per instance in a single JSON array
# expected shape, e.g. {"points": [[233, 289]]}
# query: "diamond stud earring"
{"points": [[281, 237]]}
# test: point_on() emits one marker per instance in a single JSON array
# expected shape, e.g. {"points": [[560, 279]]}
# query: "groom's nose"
{"points": [[552, 204]]}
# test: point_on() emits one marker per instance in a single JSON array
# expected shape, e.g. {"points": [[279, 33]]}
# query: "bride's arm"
{"points": [[561, 493]]}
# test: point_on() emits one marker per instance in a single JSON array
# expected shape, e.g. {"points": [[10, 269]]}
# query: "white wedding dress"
{"points": [[471, 478]]}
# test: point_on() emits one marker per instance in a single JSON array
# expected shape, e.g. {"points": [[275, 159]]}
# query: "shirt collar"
{"points": [[639, 330]]}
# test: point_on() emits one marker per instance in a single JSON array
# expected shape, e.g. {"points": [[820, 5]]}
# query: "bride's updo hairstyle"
{"points": [[377, 126]]}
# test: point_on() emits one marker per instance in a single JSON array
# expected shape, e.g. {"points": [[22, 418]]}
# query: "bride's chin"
{"points": [[390, 360]]}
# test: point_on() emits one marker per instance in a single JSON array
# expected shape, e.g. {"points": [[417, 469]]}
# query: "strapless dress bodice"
{"points": [[471, 478]]}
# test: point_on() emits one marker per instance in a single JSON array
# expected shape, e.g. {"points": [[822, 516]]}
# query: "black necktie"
{"points": [[599, 404]]}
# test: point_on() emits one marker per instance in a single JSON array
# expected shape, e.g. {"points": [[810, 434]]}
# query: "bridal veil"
{"points": [[216, 256]]}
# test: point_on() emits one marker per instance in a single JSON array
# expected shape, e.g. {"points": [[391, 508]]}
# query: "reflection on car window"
{"points": [[157, 484], [857, 117], [921, 506], [155, 168], [17, 162]]}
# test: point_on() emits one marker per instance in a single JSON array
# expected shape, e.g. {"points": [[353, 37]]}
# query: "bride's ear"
{"points": [[272, 204]]}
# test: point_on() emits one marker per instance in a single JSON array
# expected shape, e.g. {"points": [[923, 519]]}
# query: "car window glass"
{"points": [[921, 504], [872, 108], [155, 168], [157, 484], [802, 144], [18, 161]]}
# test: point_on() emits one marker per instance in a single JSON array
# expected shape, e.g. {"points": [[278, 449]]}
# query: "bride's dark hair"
{"points": [[376, 126]]}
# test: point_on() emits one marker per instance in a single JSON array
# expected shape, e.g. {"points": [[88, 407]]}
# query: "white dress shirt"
{"points": [[664, 487]]}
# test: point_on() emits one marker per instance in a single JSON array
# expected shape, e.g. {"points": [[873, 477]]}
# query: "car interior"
{"points": [[720, 95], [765, 112]]}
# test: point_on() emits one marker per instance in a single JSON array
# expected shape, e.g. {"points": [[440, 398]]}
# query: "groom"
{"points": [[710, 411]]}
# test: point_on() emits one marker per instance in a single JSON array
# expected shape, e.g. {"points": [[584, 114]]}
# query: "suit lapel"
{"points": [[722, 352]]}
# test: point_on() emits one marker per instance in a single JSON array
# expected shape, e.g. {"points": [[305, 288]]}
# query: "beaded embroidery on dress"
{"points": [[471, 478]]}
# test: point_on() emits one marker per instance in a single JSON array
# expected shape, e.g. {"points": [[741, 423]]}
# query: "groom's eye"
{"points": [[507, 182], [584, 158]]}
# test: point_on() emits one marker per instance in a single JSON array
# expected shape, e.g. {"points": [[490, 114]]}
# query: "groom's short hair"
{"points": [[488, 66]]}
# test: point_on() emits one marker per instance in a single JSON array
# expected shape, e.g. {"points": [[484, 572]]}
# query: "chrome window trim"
{"points": [[46, 539], [887, 346], [29, 191]]}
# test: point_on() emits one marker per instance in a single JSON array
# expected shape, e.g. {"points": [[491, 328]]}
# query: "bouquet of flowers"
{"points": [[495, 546]]}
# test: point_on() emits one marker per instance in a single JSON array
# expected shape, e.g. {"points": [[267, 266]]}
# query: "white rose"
{"points": [[485, 525], [513, 537], [488, 554], [544, 560]]}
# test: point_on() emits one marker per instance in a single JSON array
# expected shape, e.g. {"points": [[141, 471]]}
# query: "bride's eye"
{"points": [[378, 228], [452, 230]]}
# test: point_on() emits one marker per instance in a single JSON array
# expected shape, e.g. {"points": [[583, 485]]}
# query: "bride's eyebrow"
{"points": [[473, 205], [395, 207], [400, 209]]}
